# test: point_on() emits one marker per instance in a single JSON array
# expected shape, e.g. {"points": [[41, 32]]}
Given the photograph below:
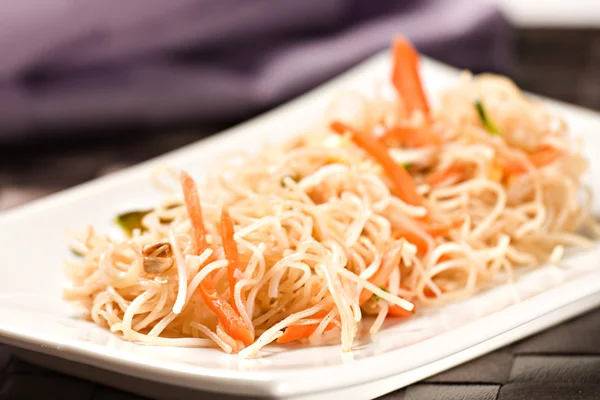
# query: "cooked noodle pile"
{"points": [[382, 205]]}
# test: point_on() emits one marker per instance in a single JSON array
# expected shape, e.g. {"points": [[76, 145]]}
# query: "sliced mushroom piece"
{"points": [[156, 265], [158, 257]]}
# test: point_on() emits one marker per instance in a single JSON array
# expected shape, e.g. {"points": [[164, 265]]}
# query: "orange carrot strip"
{"points": [[512, 166], [399, 312], [544, 156], [413, 238], [452, 172], [234, 325], [412, 137], [443, 257], [433, 230], [441, 230], [379, 278], [406, 78], [194, 210], [231, 252], [231, 321], [364, 296], [402, 182], [297, 332], [539, 158], [429, 293]]}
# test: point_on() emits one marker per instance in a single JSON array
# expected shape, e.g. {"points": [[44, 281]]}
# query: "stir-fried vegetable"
{"points": [[495, 173], [402, 182], [76, 253], [451, 173], [232, 322], [399, 312], [442, 229], [131, 220], [231, 253], [413, 237], [297, 332], [428, 228], [544, 156], [194, 209], [406, 78], [379, 278], [540, 158], [158, 257], [411, 137], [485, 118]]}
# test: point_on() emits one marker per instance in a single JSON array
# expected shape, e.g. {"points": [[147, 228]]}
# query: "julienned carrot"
{"points": [[406, 78], [194, 210], [442, 229], [544, 156], [453, 172], [427, 291], [231, 252], [297, 332], [403, 183], [512, 166], [379, 278], [234, 325], [540, 158], [413, 238], [399, 312], [411, 137], [433, 230]]}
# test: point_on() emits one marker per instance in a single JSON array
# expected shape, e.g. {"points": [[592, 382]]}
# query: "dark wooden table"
{"points": [[561, 363]]}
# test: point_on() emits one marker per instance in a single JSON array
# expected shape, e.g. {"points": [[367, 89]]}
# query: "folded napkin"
{"points": [[66, 65]]}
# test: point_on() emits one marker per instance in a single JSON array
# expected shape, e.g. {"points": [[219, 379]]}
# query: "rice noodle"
{"points": [[181, 274], [324, 242]]}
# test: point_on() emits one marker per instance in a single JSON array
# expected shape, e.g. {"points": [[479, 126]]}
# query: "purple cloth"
{"points": [[69, 64]]}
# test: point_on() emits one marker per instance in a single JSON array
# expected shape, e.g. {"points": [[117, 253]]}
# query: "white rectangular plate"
{"points": [[33, 317]]}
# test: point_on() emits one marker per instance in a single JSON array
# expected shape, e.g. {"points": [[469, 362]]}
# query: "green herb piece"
{"points": [[486, 120], [382, 288], [131, 220], [76, 253], [405, 165]]}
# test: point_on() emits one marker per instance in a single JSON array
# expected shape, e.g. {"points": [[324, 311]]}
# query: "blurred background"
{"points": [[89, 87]]}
